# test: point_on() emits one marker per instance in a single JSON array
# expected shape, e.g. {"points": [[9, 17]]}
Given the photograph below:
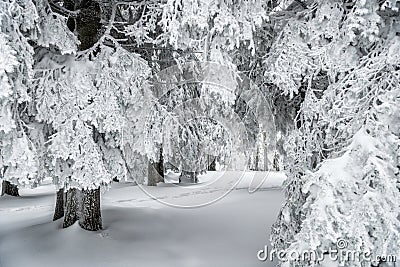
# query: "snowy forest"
{"points": [[199, 133]]}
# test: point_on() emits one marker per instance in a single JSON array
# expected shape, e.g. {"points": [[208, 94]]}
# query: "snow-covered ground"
{"points": [[219, 222]]}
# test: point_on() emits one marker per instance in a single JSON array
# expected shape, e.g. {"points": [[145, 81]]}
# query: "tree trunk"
{"points": [[72, 207], [86, 23], [90, 218], [257, 159], [275, 162], [84, 205], [188, 177], [152, 173], [211, 163], [155, 171], [266, 167], [59, 210], [160, 167], [9, 189]]}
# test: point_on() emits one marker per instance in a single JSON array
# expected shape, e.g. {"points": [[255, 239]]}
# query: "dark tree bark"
{"points": [[86, 23], [211, 163], [90, 218], [188, 177], [257, 159], [160, 167], [276, 162], [152, 174], [72, 207], [9, 189], [83, 206], [155, 172], [59, 209]]}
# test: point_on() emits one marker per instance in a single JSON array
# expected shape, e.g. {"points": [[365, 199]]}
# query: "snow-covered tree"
{"points": [[86, 97], [24, 25], [343, 157], [87, 105], [18, 26], [177, 31], [213, 31]]}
